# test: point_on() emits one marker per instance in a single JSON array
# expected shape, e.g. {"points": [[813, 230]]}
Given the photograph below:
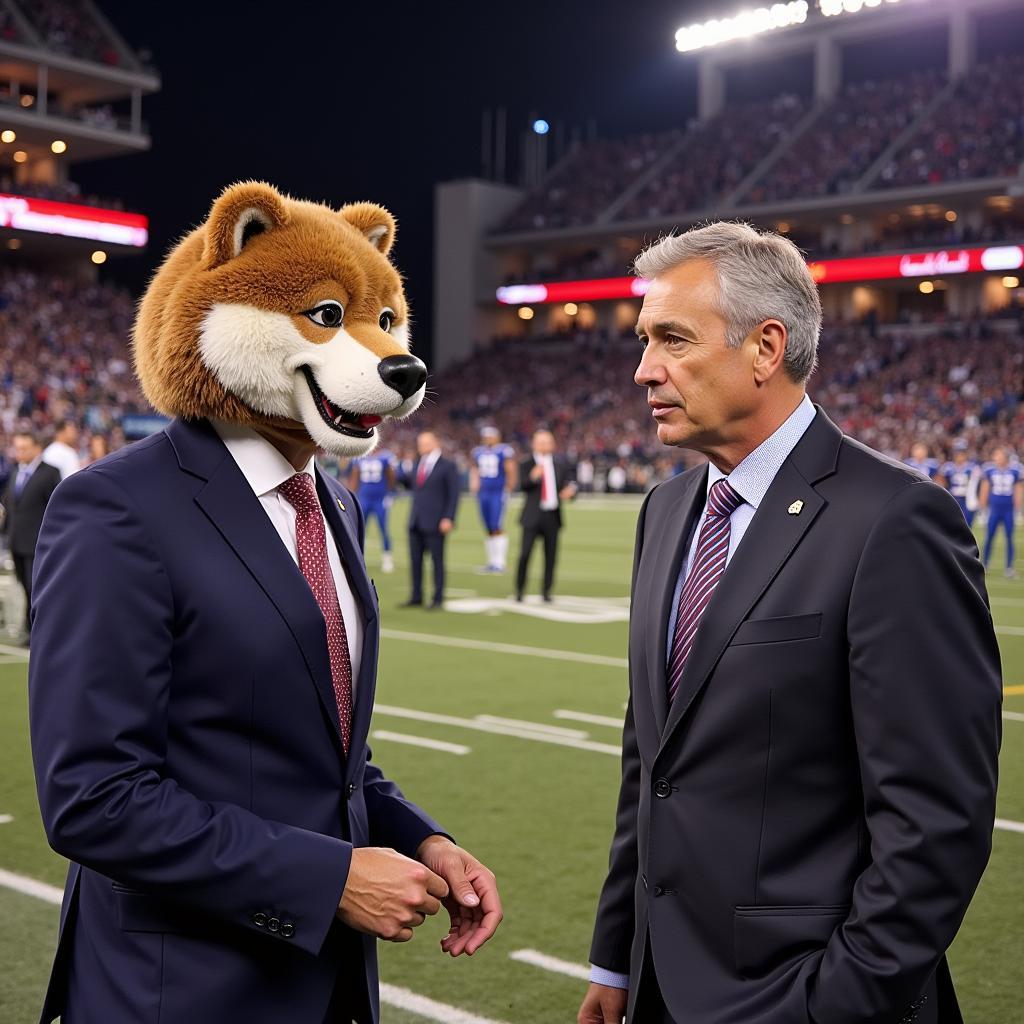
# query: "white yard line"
{"points": [[1013, 716], [496, 648], [6, 819], [30, 887], [476, 725], [1010, 826], [403, 999], [519, 723], [422, 741], [391, 995], [550, 963], [583, 716], [18, 653], [1010, 630]]}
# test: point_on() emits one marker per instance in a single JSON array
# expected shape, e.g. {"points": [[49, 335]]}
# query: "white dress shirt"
{"points": [[63, 458], [547, 465], [265, 469], [751, 480], [427, 463]]}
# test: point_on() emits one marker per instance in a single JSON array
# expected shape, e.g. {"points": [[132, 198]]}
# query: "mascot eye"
{"points": [[387, 318], [327, 314]]}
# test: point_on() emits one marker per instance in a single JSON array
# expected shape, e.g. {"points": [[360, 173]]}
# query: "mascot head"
{"points": [[282, 314]]}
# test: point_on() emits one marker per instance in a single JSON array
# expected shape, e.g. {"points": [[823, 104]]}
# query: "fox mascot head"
{"points": [[282, 314]]}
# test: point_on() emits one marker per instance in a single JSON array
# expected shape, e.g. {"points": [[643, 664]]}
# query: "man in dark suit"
{"points": [[546, 481], [435, 497], [810, 747], [28, 491], [200, 696]]}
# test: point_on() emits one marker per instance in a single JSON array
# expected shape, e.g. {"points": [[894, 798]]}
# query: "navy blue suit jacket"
{"points": [[437, 499], [187, 748]]}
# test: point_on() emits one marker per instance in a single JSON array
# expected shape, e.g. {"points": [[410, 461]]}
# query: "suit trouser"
{"points": [[23, 574], [548, 528], [650, 1007], [420, 541]]}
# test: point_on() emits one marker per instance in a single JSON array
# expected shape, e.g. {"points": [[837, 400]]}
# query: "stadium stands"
{"points": [[979, 133], [64, 192], [68, 26], [847, 137]]}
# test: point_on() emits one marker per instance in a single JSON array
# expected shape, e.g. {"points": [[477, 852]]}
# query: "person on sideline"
{"points": [[810, 746]]}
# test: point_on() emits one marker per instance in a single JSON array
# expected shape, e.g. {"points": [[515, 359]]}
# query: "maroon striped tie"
{"points": [[705, 572], [311, 541]]}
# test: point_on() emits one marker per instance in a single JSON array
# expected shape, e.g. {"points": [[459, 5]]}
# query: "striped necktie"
{"points": [[708, 565], [311, 541]]}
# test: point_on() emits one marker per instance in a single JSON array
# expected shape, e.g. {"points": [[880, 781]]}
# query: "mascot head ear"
{"points": [[374, 222], [238, 214]]}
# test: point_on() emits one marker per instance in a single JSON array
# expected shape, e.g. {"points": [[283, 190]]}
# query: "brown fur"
{"points": [[309, 253]]}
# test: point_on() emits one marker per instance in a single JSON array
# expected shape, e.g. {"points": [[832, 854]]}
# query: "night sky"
{"points": [[342, 101]]}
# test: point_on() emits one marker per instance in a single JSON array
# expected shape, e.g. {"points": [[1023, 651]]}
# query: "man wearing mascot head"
{"points": [[205, 647]]}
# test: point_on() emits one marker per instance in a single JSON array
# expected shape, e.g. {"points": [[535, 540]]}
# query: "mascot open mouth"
{"points": [[341, 421]]}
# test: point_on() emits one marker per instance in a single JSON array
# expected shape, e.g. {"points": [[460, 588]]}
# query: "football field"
{"points": [[503, 721]]}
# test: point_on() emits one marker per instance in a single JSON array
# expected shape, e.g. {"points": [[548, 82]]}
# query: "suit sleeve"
{"points": [[925, 691], [99, 681], [613, 932], [394, 821]]}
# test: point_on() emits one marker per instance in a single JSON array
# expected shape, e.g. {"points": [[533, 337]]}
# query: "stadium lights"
{"points": [[525, 313], [571, 309], [926, 287], [50, 217], [541, 127], [20, 156], [8, 136], [833, 8], [99, 256], [741, 26], [58, 146], [1011, 282]]}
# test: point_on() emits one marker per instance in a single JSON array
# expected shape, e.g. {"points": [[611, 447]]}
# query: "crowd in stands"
{"points": [[716, 157], [847, 137], [582, 186], [64, 355], [67, 26], [977, 133], [8, 27]]}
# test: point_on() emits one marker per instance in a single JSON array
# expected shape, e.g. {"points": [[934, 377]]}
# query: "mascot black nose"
{"points": [[406, 374]]}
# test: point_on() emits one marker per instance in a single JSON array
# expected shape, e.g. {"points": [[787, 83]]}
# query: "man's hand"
{"points": [[568, 492], [603, 1005], [473, 904], [445, 526], [389, 895], [536, 473]]}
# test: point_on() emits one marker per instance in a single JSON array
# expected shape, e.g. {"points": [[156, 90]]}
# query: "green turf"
{"points": [[539, 815]]}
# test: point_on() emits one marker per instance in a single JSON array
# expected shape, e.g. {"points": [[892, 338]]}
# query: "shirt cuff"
{"points": [[599, 976]]}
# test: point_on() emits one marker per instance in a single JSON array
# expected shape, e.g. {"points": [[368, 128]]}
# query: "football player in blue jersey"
{"points": [[492, 478], [1001, 490], [372, 479], [960, 476], [922, 461]]}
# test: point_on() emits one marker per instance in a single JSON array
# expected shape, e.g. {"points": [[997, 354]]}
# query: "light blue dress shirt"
{"points": [[751, 480]]}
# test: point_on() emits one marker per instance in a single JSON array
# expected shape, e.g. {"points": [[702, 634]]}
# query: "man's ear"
{"points": [[373, 221], [238, 214], [771, 349]]}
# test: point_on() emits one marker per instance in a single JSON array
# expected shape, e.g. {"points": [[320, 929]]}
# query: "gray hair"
{"points": [[761, 276]]}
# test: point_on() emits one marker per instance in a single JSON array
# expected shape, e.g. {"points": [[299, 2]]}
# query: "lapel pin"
{"points": [[796, 508], [341, 505]]}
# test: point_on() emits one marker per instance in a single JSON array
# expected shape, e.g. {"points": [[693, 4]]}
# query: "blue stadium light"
{"points": [[541, 127]]}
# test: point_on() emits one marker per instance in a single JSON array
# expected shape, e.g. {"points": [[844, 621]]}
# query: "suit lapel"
{"points": [[229, 503], [663, 584], [771, 538], [355, 567]]}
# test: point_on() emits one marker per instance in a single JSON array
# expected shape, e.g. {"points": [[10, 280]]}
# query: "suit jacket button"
{"points": [[662, 789], [351, 789], [260, 920], [287, 930], [274, 925]]}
